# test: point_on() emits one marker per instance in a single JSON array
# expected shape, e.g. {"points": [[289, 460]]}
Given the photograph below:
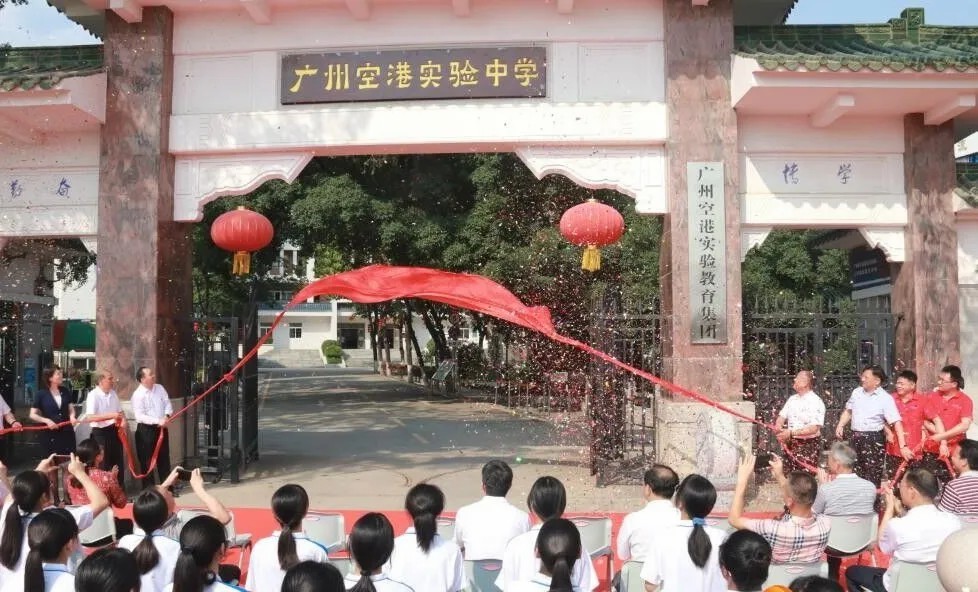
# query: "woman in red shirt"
{"points": [[90, 453]]}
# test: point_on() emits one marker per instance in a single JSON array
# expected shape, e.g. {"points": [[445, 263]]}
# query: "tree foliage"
{"points": [[789, 264]]}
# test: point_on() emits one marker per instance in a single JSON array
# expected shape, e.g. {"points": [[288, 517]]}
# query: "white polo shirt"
{"points": [[264, 570], [916, 537], [484, 528], [156, 579], [871, 411], [801, 411], [57, 578], [82, 515], [538, 583], [639, 529], [382, 583], [520, 563], [439, 570], [669, 567], [99, 402]]}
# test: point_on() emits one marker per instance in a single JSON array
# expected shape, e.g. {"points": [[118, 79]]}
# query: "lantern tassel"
{"points": [[592, 258], [242, 263]]}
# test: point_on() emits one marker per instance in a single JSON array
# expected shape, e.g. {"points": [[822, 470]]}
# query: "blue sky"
{"points": [[39, 24]]}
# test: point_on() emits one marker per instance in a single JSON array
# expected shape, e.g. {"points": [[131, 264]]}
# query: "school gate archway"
{"points": [[663, 100]]}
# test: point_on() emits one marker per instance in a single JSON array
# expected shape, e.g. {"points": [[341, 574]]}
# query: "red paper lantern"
{"points": [[242, 231], [592, 225]]}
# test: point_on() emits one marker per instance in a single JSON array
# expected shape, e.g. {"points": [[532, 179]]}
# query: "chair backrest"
{"points": [[631, 577], [481, 574], [720, 522], [103, 527], [968, 520], [915, 577], [344, 564], [595, 533], [782, 574], [446, 528], [325, 529], [852, 534]]}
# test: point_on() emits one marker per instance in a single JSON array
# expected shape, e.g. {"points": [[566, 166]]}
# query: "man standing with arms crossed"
{"points": [[151, 407], [870, 409], [804, 414]]}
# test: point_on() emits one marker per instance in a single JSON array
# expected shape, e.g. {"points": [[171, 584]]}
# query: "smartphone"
{"points": [[184, 474], [62, 458], [763, 461]]}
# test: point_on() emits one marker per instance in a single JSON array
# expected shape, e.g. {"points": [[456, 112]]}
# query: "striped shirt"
{"points": [[794, 539], [846, 495], [960, 495]]}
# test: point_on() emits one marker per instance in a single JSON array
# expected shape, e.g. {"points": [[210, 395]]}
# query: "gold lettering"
{"points": [[367, 75], [525, 70], [400, 74], [430, 75], [463, 74], [302, 73], [496, 70], [337, 77]]}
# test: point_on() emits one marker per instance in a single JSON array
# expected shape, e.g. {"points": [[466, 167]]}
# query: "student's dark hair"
{"points": [[289, 504], [968, 449], [877, 371], [746, 556], [803, 487], [923, 481], [150, 512], [200, 540], [497, 478], [908, 375], [86, 451], [955, 373], [662, 480], [697, 496], [48, 534], [312, 576], [425, 502], [815, 584], [547, 498], [46, 375], [371, 545], [559, 546], [28, 489], [108, 570]]}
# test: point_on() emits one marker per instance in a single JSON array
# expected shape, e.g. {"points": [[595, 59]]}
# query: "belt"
{"points": [[874, 432]]}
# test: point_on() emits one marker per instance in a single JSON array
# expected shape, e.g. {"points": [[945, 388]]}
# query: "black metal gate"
{"points": [[834, 339], [620, 408]]}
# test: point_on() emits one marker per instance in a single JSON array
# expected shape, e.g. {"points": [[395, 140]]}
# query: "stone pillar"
{"points": [[143, 299], [699, 42], [925, 286]]}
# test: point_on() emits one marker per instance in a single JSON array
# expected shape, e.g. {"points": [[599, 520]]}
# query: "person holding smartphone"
{"points": [[152, 408]]}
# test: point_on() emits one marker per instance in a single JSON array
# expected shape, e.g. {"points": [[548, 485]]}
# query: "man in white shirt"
{"points": [[103, 410], [799, 425], [152, 409], [913, 538], [483, 529], [639, 529]]}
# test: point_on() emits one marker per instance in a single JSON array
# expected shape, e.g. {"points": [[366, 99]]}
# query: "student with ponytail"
{"points": [[744, 561], [154, 552], [559, 548], [30, 494], [274, 555], [51, 538], [202, 546], [371, 544], [685, 557], [422, 559], [108, 570], [312, 576]]}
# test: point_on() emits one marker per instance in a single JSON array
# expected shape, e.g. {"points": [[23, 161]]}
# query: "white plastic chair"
{"points": [[481, 574], [344, 564], [237, 541], [101, 532], [446, 528], [326, 529], [596, 538], [853, 535], [720, 522], [631, 577], [968, 520], [915, 577], [782, 574]]}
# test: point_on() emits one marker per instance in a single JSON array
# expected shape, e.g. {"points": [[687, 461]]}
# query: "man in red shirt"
{"points": [[914, 411], [955, 409]]}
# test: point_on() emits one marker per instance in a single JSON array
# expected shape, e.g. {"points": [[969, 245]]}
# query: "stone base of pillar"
{"points": [[696, 438]]}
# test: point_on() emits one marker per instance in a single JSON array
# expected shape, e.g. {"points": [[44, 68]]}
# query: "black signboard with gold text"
{"points": [[414, 74]]}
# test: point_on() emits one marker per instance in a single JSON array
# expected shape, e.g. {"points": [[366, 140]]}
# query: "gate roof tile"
{"points": [[44, 67]]}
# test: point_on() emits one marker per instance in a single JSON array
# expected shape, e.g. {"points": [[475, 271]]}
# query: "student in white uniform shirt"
{"points": [[31, 494], [154, 552], [202, 545], [52, 538], [422, 559], [108, 570], [273, 555], [312, 576], [684, 558], [639, 529], [559, 549], [483, 528], [371, 545], [546, 501], [745, 558]]}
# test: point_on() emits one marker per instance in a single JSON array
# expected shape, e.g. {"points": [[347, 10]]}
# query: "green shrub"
{"points": [[332, 351]]}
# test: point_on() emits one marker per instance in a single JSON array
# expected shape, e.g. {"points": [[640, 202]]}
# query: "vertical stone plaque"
{"points": [[707, 252]]}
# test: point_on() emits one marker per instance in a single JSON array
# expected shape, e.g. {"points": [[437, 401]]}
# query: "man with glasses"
{"points": [[955, 410], [103, 410]]}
